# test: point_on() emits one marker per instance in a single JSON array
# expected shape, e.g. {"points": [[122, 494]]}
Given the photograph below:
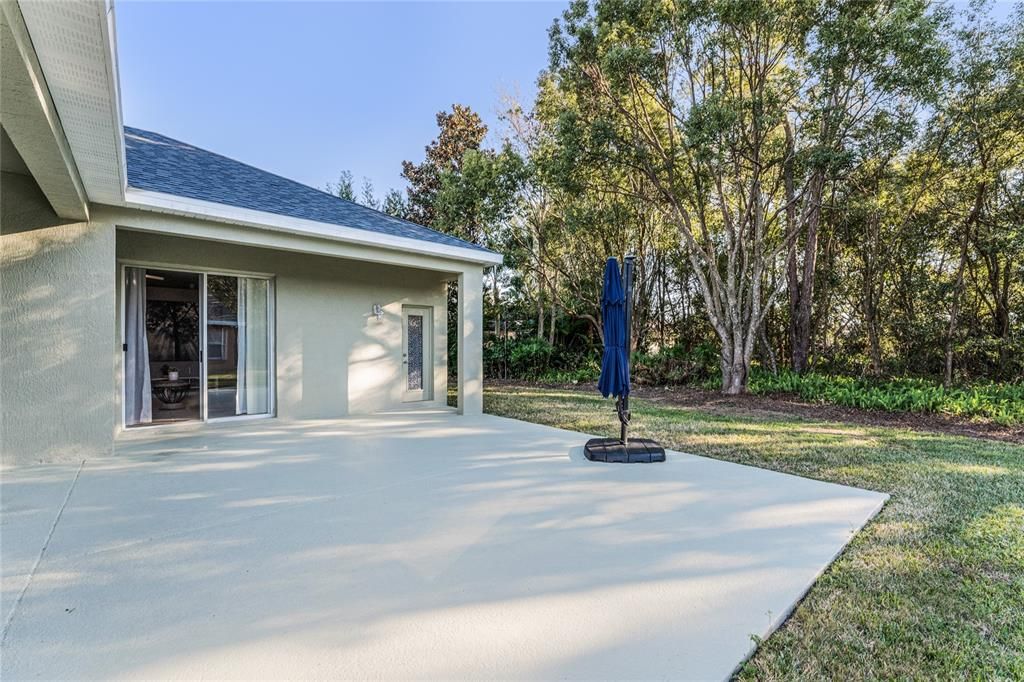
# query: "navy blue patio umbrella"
{"points": [[614, 379], [616, 311]]}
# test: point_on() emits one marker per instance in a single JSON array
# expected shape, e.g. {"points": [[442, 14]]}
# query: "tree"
{"points": [[394, 203], [344, 187], [367, 197], [979, 131], [693, 97], [460, 131], [475, 201], [712, 102], [865, 67], [837, 183]]}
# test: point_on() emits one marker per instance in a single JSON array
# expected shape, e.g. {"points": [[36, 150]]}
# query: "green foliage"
{"points": [[678, 365], [1001, 403], [394, 203], [833, 186], [536, 359], [518, 358], [344, 188], [476, 198], [529, 357], [459, 131], [580, 375]]}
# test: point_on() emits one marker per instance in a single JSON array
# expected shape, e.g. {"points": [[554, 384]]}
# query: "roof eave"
{"points": [[195, 208], [75, 43], [31, 120]]}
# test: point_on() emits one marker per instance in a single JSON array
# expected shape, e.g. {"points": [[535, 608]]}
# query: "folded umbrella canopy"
{"points": [[614, 379], [616, 301]]}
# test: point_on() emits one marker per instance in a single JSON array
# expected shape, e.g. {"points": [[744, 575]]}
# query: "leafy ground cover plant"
{"points": [[1000, 403]]}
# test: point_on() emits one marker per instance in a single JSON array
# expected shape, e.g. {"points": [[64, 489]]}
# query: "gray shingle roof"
{"points": [[162, 164]]}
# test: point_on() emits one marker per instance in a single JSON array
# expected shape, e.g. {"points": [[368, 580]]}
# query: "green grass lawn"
{"points": [[933, 588]]}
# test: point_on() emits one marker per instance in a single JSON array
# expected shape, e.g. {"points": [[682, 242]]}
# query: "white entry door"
{"points": [[418, 352]]}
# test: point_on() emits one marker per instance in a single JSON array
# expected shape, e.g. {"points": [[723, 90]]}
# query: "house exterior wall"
{"points": [[470, 341], [333, 357], [57, 297]]}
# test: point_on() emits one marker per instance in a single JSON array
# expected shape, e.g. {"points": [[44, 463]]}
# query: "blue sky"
{"points": [[307, 89]]}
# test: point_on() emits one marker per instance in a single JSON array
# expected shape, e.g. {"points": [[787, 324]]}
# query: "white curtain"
{"points": [[252, 395], [138, 396]]}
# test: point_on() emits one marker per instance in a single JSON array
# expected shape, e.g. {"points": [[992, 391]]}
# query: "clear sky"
{"points": [[307, 89]]}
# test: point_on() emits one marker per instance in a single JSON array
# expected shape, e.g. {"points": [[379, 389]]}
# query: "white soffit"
{"points": [[74, 41], [31, 122]]}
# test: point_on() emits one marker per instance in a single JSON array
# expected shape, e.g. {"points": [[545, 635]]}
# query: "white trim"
{"points": [[122, 305], [204, 355], [114, 87], [272, 347], [164, 265], [75, 46], [240, 418], [195, 208]]}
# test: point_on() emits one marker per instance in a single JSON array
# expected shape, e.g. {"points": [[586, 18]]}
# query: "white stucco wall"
{"points": [[470, 341], [57, 302], [333, 357]]}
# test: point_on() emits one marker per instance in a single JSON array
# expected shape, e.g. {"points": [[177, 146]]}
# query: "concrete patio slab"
{"points": [[405, 545]]}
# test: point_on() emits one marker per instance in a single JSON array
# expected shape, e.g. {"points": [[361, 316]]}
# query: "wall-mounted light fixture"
{"points": [[378, 311]]}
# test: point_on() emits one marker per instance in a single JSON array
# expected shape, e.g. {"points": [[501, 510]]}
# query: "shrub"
{"points": [[585, 374], [529, 357], [677, 365], [1001, 403]]}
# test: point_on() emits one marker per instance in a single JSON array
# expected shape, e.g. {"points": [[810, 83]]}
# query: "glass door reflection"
{"points": [[237, 342]]}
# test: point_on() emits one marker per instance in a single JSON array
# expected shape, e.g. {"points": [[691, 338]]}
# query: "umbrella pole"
{"points": [[623, 449], [627, 277]]}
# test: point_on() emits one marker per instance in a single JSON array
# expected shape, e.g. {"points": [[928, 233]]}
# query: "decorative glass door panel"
{"points": [[417, 353]]}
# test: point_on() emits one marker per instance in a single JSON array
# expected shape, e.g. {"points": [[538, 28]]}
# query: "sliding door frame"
{"points": [[203, 273]]}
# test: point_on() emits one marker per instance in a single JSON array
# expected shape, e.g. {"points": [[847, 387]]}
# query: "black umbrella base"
{"points": [[637, 450]]}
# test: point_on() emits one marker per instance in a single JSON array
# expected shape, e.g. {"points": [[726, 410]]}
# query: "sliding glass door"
{"points": [[237, 342], [196, 345]]}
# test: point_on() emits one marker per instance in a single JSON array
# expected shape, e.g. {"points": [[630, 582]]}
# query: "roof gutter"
{"points": [[160, 202]]}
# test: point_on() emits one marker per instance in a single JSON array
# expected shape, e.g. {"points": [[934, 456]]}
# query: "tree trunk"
{"points": [[494, 292], [551, 326], [954, 312], [801, 290], [734, 375], [540, 307], [954, 308], [999, 286], [762, 337]]}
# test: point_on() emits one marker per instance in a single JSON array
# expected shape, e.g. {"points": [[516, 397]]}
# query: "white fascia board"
{"points": [[74, 42], [114, 85], [195, 208]]}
